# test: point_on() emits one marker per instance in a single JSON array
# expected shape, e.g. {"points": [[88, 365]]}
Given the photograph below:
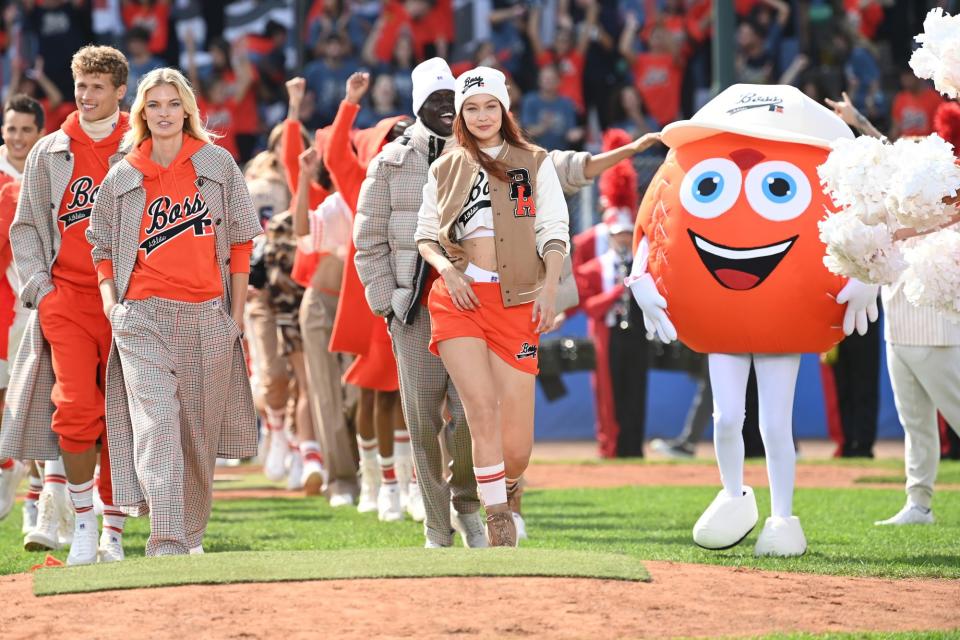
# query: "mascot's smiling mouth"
{"points": [[737, 268]]}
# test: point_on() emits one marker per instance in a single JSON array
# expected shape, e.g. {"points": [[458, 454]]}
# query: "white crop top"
{"points": [[476, 218]]}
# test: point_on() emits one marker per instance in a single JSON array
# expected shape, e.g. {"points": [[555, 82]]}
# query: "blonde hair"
{"points": [[192, 126]]}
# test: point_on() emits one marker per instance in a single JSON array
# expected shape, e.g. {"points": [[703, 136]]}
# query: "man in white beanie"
{"points": [[396, 281]]}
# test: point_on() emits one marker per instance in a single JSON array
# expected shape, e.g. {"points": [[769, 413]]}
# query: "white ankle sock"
{"points": [[491, 481], [387, 473], [275, 419], [310, 450], [113, 520], [368, 451], [401, 444]]}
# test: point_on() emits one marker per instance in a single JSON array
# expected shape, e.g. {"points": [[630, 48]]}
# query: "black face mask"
{"points": [[437, 105]]}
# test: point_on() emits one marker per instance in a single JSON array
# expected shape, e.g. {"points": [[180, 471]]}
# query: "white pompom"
{"points": [[933, 275], [925, 172], [939, 57], [858, 250]]}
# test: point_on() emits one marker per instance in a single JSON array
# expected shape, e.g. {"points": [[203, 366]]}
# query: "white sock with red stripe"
{"points": [[275, 419], [368, 452], [310, 450], [54, 473], [492, 484], [401, 444], [33, 493], [81, 495], [113, 520], [6, 464], [387, 473]]}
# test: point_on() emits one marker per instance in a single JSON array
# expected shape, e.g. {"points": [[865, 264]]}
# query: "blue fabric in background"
{"points": [[669, 395]]}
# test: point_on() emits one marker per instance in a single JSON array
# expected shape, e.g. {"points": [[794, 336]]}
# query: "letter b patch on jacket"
{"points": [[521, 192]]}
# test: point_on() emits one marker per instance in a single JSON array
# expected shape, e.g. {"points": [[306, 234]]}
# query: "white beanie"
{"points": [[479, 81], [429, 76]]}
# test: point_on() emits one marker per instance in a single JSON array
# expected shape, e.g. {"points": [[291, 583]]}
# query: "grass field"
{"points": [[646, 523]]}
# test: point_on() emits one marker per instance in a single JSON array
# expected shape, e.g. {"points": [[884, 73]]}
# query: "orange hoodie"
{"points": [[91, 161], [177, 259]]}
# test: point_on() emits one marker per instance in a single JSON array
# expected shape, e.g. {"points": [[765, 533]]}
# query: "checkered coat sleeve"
{"points": [[370, 237], [114, 233], [35, 241]]}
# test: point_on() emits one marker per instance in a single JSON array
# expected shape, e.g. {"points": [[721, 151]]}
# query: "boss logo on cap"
{"points": [[469, 83], [754, 101]]}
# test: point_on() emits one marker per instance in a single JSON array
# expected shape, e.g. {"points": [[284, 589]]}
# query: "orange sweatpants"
{"points": [[79, 335]]}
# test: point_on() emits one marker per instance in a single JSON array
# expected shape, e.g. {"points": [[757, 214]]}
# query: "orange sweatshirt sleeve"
{"points": [[291, 146], [104, 270], [341, 159], [239, 257]]}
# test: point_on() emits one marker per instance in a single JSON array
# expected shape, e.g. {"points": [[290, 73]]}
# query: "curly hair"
{"points": [[101, 59]]}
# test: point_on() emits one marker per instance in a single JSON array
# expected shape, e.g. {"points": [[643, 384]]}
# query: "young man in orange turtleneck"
{"points": [[69, 337]]}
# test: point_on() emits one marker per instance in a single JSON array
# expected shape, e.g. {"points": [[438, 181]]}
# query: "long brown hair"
{"points": [[511, 135]]}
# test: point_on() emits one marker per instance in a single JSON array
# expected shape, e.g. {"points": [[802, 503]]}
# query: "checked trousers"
{"points": [[176, 359], [425, 389]]}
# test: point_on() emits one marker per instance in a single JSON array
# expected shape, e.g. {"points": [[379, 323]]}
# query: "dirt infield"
{"points": [[683, 600]]}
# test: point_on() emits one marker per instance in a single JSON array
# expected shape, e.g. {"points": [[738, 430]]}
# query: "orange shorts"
{"points": [[508, 331]]}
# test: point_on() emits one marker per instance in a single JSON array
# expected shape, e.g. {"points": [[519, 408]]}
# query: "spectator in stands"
{"points": [[914, 107], [232, 69], [657, 73], [141, 59], [152, 16], [568, 53], [549, 118], [60, 29], [507, 22], [327, 75], [218, 108], [383, 103], [399, 67], [629, 113], [34, 83], [862, 73]]}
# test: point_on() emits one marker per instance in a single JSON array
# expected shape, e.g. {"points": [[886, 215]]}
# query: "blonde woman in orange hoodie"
{"points": [[171, 233]]}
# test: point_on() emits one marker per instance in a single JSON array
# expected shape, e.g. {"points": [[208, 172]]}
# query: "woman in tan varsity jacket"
{"points": [[494, 225]]}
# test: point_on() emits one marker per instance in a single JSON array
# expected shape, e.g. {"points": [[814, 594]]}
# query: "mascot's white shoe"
{"points": [[781, 537], [727, 521]]}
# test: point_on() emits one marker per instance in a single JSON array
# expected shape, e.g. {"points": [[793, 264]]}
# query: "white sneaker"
{"points": [[311, 478], [295, 472], [471, 528], [405, 482], [45, 535], [781, 537], [197, 551], [275, 468], [520, 525], [727, 521], [388, 503], [68, 517], [369, 489], [430, 544], [341, 500], [29, 519], [9, 481], [111, 547], [911, 513], [415, 508], [84, 548]]}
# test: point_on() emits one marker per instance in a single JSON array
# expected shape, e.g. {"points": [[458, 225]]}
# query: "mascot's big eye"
{"points": [[778, 190], [710, 188]]}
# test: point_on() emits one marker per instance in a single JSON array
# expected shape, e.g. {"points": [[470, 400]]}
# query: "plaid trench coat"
{"points": [[114, 233], [35, 240]]}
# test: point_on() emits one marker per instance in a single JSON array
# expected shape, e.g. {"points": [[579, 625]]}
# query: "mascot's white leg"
{"points": [[782, 534], [733, 513]]}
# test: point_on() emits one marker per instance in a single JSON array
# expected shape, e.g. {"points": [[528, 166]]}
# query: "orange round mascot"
{"points": [[729, 260]]}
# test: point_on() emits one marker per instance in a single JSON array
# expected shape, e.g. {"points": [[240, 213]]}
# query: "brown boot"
{"points": [[501, 531]]}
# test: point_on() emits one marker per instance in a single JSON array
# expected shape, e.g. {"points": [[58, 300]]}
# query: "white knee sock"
{"points": [[776, 384], [491, 481], [728, 380]]}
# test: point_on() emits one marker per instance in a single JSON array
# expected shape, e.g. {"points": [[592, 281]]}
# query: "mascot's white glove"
{"points": [[654, 306], [861, 301]]}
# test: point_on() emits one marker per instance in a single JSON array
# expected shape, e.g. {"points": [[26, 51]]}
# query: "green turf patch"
{"points": [[645, 523], [285, 566]]}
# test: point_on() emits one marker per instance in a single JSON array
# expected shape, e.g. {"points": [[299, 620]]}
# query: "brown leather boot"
{"points": [[501, 531]]}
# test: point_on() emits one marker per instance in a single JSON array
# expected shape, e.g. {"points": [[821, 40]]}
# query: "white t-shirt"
{"points": [[476, 218]]}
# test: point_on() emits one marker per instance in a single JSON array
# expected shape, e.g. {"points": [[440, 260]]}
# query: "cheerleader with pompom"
{"points": [[923, 344]]}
